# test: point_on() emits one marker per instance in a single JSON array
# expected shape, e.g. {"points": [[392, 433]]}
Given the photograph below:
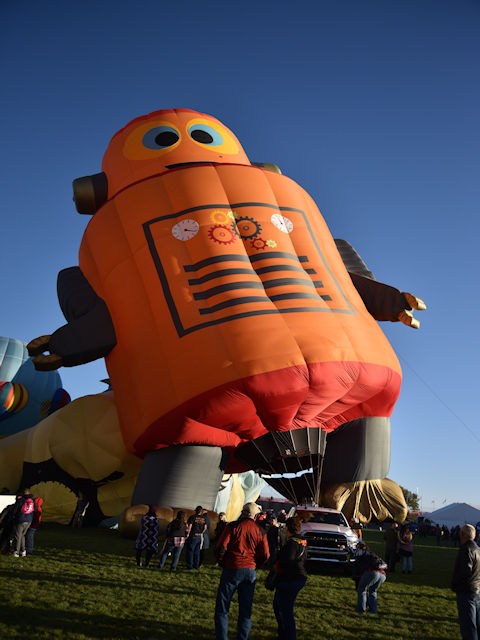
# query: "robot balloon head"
{"points": [[155, 143]]}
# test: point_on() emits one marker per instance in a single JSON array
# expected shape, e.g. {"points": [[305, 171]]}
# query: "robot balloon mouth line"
{"points": [[184, 164]]}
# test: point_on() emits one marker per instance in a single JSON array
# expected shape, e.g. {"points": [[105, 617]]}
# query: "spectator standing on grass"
{"points": [[221, 524], [205, 538], [291, 567], [405, 548], [466, 584], [390, 537], [23, 516], [371, 569], [80, 511], [147, 539], [32, 529], [8, 525], [176, 535], [197, 527], [273, 539], [242, 548]]}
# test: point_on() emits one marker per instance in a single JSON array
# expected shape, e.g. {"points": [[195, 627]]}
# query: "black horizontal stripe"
{"points": [[239, 271], [277, 254], [299, 294], [226, 257], [233, 257], [282, 267], [233, 303], [219, 274], [204, 295], [268, 284], [287, 282]]}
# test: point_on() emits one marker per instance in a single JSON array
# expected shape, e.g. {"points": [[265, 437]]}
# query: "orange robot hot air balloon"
{"points": [[233, 333]]}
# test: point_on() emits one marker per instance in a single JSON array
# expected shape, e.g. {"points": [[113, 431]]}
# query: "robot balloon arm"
{"points": [[384, 302], [89, 333]]}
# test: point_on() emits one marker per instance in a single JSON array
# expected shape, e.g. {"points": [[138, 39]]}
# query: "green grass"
{"points": [[84, 584]]}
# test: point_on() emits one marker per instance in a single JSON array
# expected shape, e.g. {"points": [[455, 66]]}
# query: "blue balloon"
{"points": [[17, 366]]}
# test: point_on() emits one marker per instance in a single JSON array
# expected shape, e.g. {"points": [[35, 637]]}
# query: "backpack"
{"points": [[28, 506]]}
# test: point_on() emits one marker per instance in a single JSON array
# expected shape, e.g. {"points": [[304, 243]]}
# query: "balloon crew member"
{"points": [[242, 548], [291, 567], [197, 527]]}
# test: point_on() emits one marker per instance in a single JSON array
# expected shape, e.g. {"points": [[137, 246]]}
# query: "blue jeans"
{"points": [[29, 540], [468, 605], [193, 552], [230, 581], [368, 586], [283, 601], [176, 551], [407, 562]]}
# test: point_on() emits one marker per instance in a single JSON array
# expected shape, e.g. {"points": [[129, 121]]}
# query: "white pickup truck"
{"points": [[329, 536]]}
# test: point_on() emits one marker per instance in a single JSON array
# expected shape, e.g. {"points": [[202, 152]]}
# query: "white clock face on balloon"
{"points": [[185, 230], [282, 223]]}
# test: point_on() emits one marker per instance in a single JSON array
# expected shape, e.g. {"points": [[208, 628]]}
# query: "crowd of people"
{"points": [[19, 522], [256, 539], [268, 540]]}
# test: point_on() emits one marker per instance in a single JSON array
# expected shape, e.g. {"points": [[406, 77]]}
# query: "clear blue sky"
{"points": [[372, 106]]}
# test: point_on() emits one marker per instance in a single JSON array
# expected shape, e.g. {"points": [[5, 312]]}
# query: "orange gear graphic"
{"points": [[258, 243], [221, 234], [221, 217]]}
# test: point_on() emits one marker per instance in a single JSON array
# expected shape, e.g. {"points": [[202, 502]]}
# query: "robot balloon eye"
{"points": [[160, 137], [202, 136], [205, 135]]}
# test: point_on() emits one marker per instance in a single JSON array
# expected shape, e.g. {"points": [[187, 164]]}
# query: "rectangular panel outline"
{"points": [[183, 331]]}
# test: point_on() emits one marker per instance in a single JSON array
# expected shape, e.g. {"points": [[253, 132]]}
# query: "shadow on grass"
{"points": [[163, 582], [33, 621]]}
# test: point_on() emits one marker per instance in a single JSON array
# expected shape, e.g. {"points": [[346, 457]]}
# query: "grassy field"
{"points": [[84, 584]]}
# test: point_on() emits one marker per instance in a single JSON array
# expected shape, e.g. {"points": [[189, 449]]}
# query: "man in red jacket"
{"points": [[241, 549]]}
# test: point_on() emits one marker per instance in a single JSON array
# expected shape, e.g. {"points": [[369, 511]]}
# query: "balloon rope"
{"points": [[434, 393]]}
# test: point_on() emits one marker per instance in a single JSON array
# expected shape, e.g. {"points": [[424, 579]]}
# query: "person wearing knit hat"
{"points": [[241, 549], [251, 509]]}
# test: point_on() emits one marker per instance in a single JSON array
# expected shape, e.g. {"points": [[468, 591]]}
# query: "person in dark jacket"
{"points": [[221, 524], [23, 516], [197, 524], [176, 536], [206, 538], [371, 570], [290, 565], [241, 549], [7, 523], [273, 538], [390, 537], [466, 584]]}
